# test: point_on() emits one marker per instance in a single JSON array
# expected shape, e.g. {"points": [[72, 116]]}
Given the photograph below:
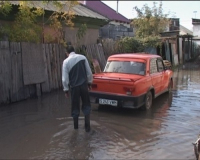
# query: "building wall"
{"points": [[118, 23], [115, 31], [51, 36], [90, 36], [196, 32]]}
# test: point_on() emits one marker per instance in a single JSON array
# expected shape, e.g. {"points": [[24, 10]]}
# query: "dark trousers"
{"points": [[77, 93]]}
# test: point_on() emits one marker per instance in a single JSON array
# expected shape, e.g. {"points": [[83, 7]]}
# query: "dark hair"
{"points": [[69, 49]]}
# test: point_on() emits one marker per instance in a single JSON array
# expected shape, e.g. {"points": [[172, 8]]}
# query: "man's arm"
{"points": [[88, 72], [65, 77]]}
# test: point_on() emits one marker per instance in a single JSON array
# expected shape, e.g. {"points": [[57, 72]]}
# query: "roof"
{"points": [[79, 10], [141, 55], [195, 21], [184, 29], [106, 11]]}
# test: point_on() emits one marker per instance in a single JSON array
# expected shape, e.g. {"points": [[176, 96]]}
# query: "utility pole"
{"points": [[117, 6]]}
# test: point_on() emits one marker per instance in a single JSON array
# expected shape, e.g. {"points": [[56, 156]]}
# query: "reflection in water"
{"points": [[41, 128]]}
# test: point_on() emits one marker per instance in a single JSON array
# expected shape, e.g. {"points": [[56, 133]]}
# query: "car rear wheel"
{"points": [[148, 101], [170, 86]]}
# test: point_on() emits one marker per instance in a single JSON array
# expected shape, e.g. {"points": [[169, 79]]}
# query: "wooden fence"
{"points": [[28, 70]]}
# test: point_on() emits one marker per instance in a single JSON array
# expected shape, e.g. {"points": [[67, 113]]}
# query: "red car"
{"points": [[131, 81]]}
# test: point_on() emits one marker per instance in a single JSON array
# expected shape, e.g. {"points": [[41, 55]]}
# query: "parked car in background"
{"points": [[131, 81]]}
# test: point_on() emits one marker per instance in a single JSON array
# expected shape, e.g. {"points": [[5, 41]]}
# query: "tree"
{"points": [[31, 18], [150, 22]]}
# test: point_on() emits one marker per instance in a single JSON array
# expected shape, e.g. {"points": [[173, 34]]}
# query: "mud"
{"points": [[42, 128]]}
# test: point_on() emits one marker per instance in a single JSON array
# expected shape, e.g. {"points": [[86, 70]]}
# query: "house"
{"points": [[83, 15], [118, 26], [179, 45]]}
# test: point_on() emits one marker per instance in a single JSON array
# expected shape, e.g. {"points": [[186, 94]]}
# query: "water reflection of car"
{"points": [[131, 81]]}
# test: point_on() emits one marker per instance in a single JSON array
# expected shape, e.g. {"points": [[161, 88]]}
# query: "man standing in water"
{"points": [[77, 78]]}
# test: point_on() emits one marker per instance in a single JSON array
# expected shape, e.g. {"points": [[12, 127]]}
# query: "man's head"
{"points": [[69, 49]]}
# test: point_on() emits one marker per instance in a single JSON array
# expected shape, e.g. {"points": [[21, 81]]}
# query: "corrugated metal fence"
{"points": [[28, 69]]}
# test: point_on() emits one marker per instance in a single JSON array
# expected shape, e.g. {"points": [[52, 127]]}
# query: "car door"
{"points": [[156, 76], [161, 70]]}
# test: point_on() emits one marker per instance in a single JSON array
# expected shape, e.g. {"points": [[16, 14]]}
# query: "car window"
{"points": [[153, 66], [160, 65], [130, 67]]}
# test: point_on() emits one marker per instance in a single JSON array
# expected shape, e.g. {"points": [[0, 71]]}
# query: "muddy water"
{"points": [[42, 128]]}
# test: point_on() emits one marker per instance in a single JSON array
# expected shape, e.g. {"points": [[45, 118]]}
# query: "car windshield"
{"points": [[130, 67]]}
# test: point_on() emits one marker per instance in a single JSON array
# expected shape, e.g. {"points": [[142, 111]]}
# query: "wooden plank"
{"points": [[32, 56], [14, 72], [52, 65], [2, 79], [101, 56], [23, 91], [38, 90], [6, 67], [96, 65], [62, 58], [47, 51], [94, 52], [1, 76], [55, 66], [45, 85], [90, 51], [32, 90], [98, 55], [58, 66]]}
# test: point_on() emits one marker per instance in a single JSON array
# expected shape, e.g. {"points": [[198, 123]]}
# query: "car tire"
{"points": [[170, 86], [148, 101]]}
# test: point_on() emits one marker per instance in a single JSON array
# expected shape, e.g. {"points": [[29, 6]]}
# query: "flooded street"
{"points": [[43, 129]]}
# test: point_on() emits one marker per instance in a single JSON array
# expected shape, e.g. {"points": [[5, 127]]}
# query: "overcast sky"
{"points": [[185, 10]]}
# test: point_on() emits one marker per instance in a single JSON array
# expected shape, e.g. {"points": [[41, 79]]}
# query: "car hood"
{"points": [[117, 76]]}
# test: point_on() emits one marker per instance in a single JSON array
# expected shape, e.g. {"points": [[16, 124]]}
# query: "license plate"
{"points": [[108, 102]]}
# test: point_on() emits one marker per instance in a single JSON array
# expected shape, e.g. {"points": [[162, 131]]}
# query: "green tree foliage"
{"points": [[5, 7], [31, 18], [150, 22], [129, 45]]}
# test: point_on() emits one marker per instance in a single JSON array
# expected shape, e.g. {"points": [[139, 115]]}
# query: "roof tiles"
{"points": [[106, 11]]}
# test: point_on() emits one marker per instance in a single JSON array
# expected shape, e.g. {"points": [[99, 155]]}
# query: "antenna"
{"points": [[195, 13]]}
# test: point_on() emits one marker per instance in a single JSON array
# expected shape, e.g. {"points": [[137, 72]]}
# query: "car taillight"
{"points": [[94, 85], [128, 90]]}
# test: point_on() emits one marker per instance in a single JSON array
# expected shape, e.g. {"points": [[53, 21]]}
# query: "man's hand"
{"points": [[66, 94]]}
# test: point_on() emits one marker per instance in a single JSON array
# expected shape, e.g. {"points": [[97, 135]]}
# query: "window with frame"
{"points": [[153, 66], [160, 65]]}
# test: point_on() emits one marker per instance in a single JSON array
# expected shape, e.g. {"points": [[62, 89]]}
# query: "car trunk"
{"points": [[114, 83]]}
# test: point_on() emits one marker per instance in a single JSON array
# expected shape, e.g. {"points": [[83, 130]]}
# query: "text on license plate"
{"points": [[108, 102]]}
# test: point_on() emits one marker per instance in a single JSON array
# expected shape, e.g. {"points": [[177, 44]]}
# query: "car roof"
{"points": [[141, 55]]}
